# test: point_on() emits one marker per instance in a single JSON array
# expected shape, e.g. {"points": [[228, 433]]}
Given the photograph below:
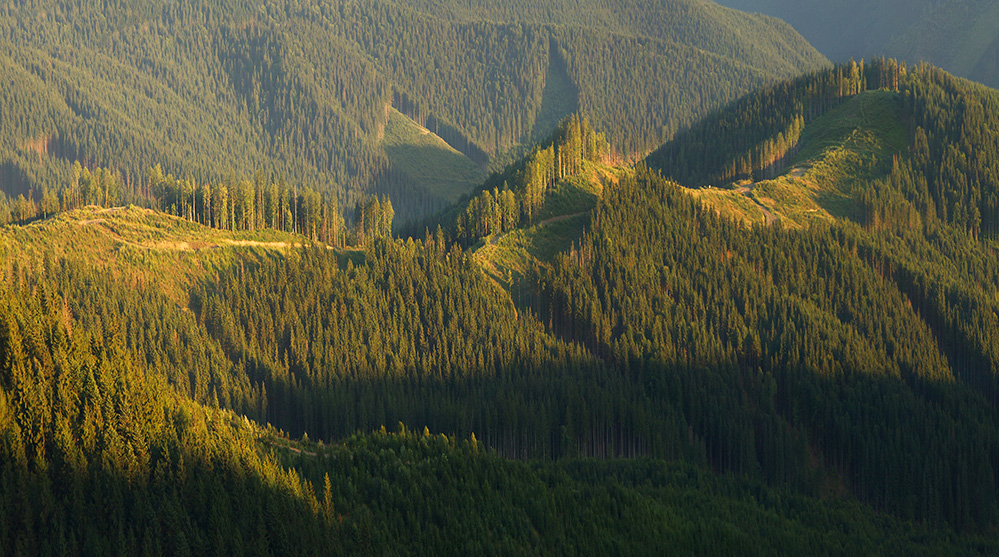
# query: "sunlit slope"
{"points": [[879, 144], [838, 155], [139, 247], [515, 259]]}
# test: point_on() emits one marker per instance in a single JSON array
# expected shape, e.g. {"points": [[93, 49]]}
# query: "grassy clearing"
{"points": [[841, 153], [139, 247], [731, 204], [869, 123], [428, 160], [513, 260]]}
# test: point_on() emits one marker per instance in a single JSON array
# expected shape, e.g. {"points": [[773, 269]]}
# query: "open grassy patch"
{"points": [[870, 123], [429, 162], [730, 203], [791, 199], [513, 260], [139, 247], [841, 153]]}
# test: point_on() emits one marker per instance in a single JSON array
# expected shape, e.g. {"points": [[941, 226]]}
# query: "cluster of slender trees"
{"points": [[525, 185], [249, 205], [99, 186]]}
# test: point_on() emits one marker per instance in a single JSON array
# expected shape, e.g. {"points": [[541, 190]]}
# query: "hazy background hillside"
{"points": [[345, 97], [960, 36]]}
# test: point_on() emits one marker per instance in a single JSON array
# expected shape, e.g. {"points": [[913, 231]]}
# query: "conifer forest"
{"points": [[438, 277]]}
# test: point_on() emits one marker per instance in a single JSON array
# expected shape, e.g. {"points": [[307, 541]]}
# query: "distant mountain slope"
{"points": [[960, 36], [760, 42], [957, 35], [303, 91]]}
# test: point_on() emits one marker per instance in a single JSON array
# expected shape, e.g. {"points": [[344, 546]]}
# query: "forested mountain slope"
{"points": [[113, 439], [303, 91], [761, 42], [800, 385], [957, 35], [877, 278], [921, 237]]}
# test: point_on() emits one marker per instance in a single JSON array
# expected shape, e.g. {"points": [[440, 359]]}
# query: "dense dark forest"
{"points": [[106, 449], [905, 300], [99, 457], [789, 352], [220, 370]]}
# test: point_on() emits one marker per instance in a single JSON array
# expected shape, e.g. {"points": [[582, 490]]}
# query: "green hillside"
{"points": [[304, 92], [139, 246], [427, 161], [874, 276], [123, 413], [838, 155], [862, 138], [776, 333], [516, 258]]}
